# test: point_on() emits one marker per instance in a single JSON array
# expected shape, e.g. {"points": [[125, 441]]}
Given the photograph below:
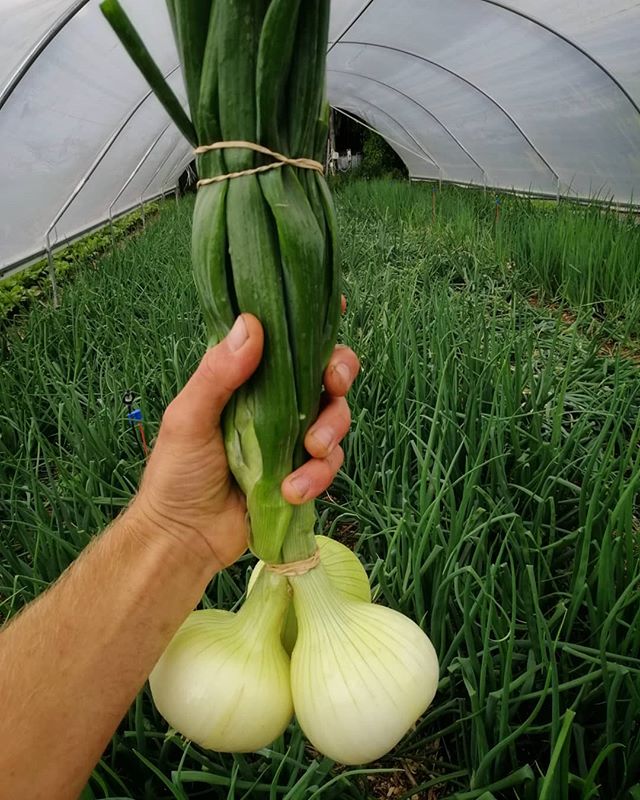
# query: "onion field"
{"points": [[491, 484]]}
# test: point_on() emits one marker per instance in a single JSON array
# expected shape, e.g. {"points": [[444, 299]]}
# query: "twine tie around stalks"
{"points": [[278, 162], [296, 569]]}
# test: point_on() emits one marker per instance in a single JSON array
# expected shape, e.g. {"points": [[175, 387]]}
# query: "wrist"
{"points": [[183, 548]]}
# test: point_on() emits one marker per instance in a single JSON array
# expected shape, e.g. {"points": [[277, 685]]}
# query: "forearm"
{"points": [[72, 663]]}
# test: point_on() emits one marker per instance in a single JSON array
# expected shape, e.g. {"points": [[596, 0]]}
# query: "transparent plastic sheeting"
{"points": [[81, 98], [533, 95]]}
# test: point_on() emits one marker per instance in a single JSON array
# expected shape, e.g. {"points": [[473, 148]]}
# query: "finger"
{"points": [[223, 369], [342, 371], [343, 304], [329, 430], [315, 477]]}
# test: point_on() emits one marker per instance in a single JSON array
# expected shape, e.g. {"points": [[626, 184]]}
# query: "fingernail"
{"points": [[344, 372], [300, 486], [324, 437], [238, 335]]}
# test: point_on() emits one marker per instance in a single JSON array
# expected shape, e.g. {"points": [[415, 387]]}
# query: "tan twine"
{"points": [[296, 569], [279, 161]]}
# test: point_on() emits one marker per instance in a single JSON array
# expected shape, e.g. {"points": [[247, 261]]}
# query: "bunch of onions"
{"points": [[264, 241]]}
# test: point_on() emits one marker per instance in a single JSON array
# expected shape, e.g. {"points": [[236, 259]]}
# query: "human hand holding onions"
{"points": [[188, 491]]}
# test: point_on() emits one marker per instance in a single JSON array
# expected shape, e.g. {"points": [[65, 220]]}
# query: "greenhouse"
{"points": [[319, 378]]}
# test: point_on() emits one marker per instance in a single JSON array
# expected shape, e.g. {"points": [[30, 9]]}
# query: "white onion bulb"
{"points": [[361, 674], [224, 679]]}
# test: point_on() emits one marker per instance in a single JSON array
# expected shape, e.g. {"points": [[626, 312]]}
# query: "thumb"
{"points": [[223, 369]]}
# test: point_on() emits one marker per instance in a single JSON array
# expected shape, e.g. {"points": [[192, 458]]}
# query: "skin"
{"points": [[74, 660]]}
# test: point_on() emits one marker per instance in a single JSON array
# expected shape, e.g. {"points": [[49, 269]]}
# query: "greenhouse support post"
{"points": [[152, 179], [136, 169], [52, 276]]}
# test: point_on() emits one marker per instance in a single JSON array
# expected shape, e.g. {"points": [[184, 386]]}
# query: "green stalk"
{"points": [[264, 244], [141, 57], [306, 83], [302, 255], [209, 254], [239, 27], [274, 63], [171, 8], [267, 439], [191, 28], [212, 163], [302, 94], [333, 279]]}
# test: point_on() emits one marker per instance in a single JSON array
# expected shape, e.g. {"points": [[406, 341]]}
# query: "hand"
{"points": [[187, 490]]}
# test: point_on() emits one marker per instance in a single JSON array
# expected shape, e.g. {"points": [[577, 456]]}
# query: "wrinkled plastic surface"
{"points": [[533, 95]]}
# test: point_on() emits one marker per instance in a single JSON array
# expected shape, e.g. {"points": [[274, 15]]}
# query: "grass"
{"points": [[491, 485], [33, 284], [585, 256]]}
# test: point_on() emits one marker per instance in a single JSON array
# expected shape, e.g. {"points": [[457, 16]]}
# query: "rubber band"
{"points": [[279, 161], [296, 569]]}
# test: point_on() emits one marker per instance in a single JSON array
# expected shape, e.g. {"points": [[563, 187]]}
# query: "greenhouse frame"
{"points": [[539, 97], [319, 400]]}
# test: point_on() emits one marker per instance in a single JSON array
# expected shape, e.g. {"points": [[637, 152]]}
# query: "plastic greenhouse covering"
{"points": [[532, 95]]}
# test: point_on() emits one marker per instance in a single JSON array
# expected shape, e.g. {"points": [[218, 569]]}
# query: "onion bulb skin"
{"points": [[224, 679], [361, 674], [343, 569]]}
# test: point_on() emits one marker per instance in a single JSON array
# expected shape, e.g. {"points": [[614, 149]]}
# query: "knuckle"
{"points": [[353, 361], [340, 418], [172, 418], [346, 415], [336, 460], [209, 365], [321, 472]]}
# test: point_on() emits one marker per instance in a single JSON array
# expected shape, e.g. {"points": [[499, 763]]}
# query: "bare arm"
{"points": [[74, 660]]}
